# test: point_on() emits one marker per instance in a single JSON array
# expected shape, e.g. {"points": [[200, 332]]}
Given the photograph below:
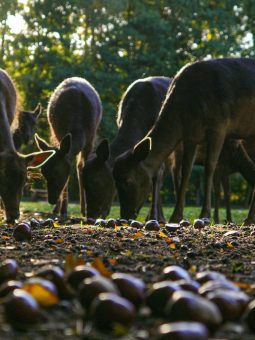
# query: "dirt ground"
{"points": [[141, 253]]}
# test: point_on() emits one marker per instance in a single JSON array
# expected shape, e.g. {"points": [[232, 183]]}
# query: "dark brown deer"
{"points": [[233, 158], [206, 102], [13, 166], [74, 112], [137, 113], [25, 131]]}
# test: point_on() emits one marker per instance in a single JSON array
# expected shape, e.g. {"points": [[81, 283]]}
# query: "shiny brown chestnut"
{"points": [[109, 309], [21, 310], [91, 287], [79, 274], [130, 287], [22, 232], [8, 270]]}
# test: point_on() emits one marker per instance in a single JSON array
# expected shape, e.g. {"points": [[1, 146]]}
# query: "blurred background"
{"points": [[111, 43]]}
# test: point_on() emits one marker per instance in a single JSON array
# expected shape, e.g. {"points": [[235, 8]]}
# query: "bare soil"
{"points": [[141, 253]]}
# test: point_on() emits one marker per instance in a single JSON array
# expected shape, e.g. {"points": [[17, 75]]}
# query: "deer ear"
{"points": [[103, 151], [38, 110], [65, 144], [41, 143], [37, 159], [142, 149]]}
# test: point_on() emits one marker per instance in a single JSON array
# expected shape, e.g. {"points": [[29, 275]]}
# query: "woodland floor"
{"points": [[141, 253]]}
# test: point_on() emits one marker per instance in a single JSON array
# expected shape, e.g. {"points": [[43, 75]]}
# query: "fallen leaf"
{"points": [[72, 261], [99, 265], [162, 234], [137, 235], [172, 245]]}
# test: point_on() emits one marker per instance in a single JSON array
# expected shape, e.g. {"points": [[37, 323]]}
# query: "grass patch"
{"points": [[190, 213]]}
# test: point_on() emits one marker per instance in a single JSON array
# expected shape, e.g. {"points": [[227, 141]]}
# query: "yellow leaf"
{"points": [[169, 240], [230, 245], [99, 265], [137, 235], [42, 294], [172, 245], [56, 224], [117, 228], [162, 234], [59, 240], [71, 261]]}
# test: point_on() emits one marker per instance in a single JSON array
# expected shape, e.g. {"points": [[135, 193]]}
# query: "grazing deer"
{"points": [[74, 113], [137, 113], [233, 158], [25, 131], [13, 166], [206, 102]]}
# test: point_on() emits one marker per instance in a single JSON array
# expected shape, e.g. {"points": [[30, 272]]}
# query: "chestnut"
{"points": [[79, 274], [22, 232], [109, 309], [21, 310], [130, 287], [8, 270]]}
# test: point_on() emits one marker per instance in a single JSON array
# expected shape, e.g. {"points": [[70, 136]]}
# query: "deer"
{"points": [[137, 112], [24, 133], [74, 113], [233, 158], [13, 165], [207, 101]]}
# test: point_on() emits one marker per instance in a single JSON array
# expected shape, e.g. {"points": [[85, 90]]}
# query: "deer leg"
{"points": [[64, 201], [216, 184], [156, 185], [56, 208], [226, 190], [189, 152], [214, 146], [251, 213]]}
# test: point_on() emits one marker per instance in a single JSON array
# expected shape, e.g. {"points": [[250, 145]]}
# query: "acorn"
{"points": [[187, 306], [152, 225], [8, 270], [79, 274], [231, 304], [109, 309], [182, 331], [159, 294], [198, 223], [175, 273], [136, 224], [91, 287], [8, 287], [21, 310], [22, 232], [130, 287]]}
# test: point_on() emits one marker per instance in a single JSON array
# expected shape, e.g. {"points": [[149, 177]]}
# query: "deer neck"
{"points": [[128, 135], [6, 140], [165, 137]]}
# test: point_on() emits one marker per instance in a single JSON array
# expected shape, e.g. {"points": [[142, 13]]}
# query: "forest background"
{"points": [[111, 43]]}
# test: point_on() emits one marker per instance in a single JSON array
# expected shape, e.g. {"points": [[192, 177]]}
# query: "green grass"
{"points": [[190, 213]]}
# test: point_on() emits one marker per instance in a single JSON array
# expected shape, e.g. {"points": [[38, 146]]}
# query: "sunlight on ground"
{"points": [[189, 212]]}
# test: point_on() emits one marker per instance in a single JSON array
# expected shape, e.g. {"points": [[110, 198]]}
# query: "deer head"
{"points": [[132, 180], [13, 173], [99, 183], [57, 170]]}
